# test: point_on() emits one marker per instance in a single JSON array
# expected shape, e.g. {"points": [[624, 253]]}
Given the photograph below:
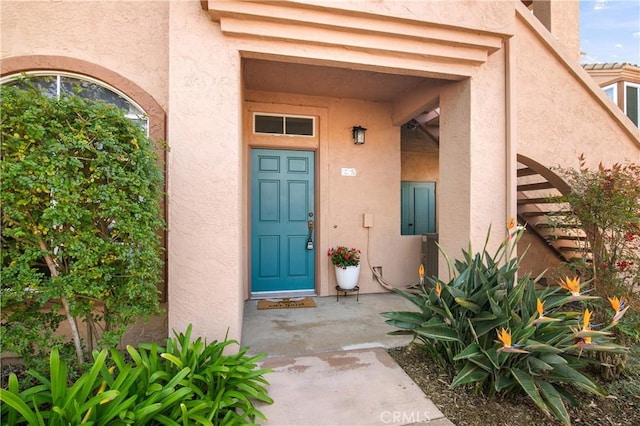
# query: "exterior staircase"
{"points": [[541, 209]]}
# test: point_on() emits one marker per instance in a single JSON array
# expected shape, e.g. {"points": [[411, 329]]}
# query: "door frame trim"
{"points": [[318, 145], [256, 153]]}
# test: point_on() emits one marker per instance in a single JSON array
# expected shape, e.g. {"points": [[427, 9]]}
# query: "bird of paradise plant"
{"points": [[539, 338]]}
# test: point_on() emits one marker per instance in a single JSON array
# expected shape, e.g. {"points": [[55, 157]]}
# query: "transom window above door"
{"points": [[291, 125]]}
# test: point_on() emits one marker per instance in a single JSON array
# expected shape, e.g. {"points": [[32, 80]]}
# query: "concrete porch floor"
{"points": [[331, 326], [331, 367]]}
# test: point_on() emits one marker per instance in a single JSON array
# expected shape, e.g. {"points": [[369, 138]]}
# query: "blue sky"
{"points": [[610, 31]]}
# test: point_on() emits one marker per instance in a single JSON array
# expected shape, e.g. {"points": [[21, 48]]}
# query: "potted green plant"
{"points": [[347, 265]]}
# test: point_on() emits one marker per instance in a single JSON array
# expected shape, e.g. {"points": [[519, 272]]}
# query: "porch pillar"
{"points": [[204, 178], [473, 166]]}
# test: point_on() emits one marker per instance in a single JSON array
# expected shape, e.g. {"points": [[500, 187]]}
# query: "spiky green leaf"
{"points": [[554, 401], [438, 332], [528, 385], [471, 350], [470, 373]]}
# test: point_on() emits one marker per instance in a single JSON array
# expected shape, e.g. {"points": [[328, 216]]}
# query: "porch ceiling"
{"points": [[316, 80]]}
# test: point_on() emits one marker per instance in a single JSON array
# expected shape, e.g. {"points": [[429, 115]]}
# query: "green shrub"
{"points": [[540, 338], [185, 383], [605, 203], [80, 195]]}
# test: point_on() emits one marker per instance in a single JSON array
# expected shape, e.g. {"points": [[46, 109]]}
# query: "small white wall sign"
{"points": [[348, 171]]}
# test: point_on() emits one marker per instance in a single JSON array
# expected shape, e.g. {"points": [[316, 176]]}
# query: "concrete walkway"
{"points": [[331, 367]]}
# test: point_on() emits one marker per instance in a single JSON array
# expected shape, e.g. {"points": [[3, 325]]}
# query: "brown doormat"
{"points": [[287, 303]]}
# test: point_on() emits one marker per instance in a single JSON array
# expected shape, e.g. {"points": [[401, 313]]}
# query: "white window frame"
{"points": [[614, 96], [284, 124]]}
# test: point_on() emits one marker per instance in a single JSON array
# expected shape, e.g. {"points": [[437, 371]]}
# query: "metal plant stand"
{"points": [[339, 289]]}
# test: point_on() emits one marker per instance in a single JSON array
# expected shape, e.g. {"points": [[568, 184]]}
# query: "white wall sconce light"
{"points": [[358, 134]]}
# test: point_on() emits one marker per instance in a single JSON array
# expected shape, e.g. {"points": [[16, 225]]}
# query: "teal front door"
{"points": [[282, 221]]}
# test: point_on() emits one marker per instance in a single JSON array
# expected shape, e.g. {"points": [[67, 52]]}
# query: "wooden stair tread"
{"points": [[545, 213], [545, 200], [546, 225], [556, 237], [525, 171], [535, 186]]}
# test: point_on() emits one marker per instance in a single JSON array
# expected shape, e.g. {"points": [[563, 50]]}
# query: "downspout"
{"points": [[511, 138]]}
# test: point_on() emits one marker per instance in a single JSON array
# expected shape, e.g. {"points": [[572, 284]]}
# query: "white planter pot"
{"points": [[347, 278]]}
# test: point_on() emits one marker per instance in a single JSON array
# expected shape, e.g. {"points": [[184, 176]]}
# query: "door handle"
{"points": [[310, 238]]}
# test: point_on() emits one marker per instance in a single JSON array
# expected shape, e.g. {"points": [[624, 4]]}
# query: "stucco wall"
{"points": [[559, 117], [205, 227], [539, 259], [562, 19], [482, 15], [473, 162], [110, 34], [419, 156], [374, 190], [420, 167]]}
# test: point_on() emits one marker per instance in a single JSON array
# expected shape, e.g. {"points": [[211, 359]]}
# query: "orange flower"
{"points": [[505, 337], [573, 286], [581, 339], [421, 274], [586, 319], [615, 303], [620, 306], [438, 289], [541, 318], [511, 225]]}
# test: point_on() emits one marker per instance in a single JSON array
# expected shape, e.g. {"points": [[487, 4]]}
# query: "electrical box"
{"points": [[367, 220], [430, 254]]}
